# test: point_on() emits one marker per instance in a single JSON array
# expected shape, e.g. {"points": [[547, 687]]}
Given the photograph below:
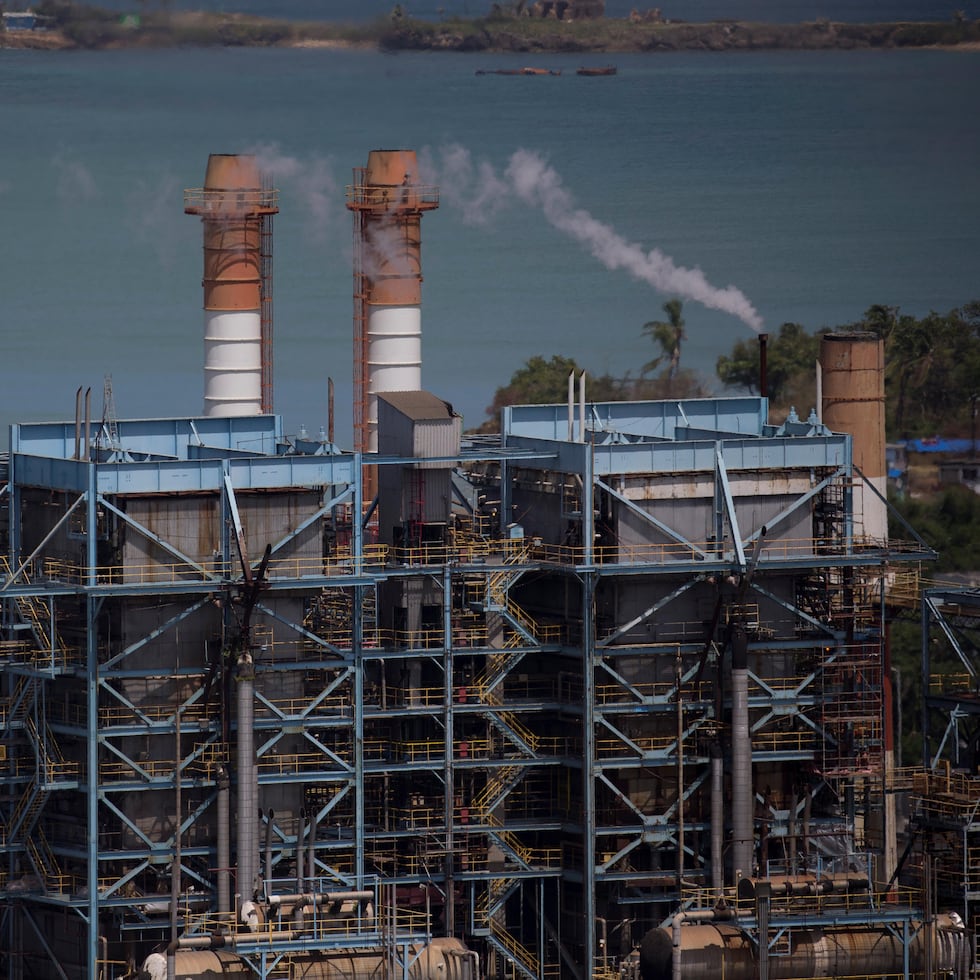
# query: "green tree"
{"points": [[542, 381], [932, 364], [668, 334]]}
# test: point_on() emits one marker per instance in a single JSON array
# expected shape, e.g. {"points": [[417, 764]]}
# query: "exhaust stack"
{"points": [[236, 211], [388, 202], [853, 376]]}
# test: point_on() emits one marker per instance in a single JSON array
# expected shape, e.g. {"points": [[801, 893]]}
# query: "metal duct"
{"points": [[853, 373], [723, 950], [248, 790], [743, 835], [388, 203], [233, 206]]}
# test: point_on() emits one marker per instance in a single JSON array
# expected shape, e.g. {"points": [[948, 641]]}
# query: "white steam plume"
{"points": [[530, 180], [311, 182], [75, 183], [155, 221]]}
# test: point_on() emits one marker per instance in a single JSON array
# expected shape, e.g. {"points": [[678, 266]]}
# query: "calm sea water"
{"points": [[816, 183]]}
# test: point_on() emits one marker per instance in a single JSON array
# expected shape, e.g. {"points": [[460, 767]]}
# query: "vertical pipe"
{"points": [[177, 857], [78, 423], [224, 840], [807, 811], [819, 406], [763, 893], [311, 850], [92, 608], [247, 797], [330, 410], [742, 809], [449, 776], [269, 818], [717, 818], [300, 863], [763, 365], [233, 205], [678, 673], [675, 969], [794, 802], [588, 769], [571, 406], [88, 428], [581, 407]]}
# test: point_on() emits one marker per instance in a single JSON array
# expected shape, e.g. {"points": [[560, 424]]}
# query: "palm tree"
{"points": [[668, 334]]}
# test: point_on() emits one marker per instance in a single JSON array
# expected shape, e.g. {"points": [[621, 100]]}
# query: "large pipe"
{"points": [[311, 850], [763, 365], [571, 406], [224, 840], [269, 818], [743, 835], [853, 373], [233, 205], [717, 818], [300, 863], [205, 957], [320, 898], [388, 202], [721, 949], [791, 846], [248, 790]]}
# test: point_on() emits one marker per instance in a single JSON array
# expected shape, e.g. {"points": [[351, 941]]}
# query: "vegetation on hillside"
{"points": [[504, 28]]}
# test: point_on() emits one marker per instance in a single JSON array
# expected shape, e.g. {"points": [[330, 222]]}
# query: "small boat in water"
{"points": [[518, 71], [597, 70]]}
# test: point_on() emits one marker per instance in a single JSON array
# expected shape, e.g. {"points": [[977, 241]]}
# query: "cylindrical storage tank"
{"points": [[707, 951], [388, 202], [232, 205], [724, 950], [196, 964], [852, 368]]}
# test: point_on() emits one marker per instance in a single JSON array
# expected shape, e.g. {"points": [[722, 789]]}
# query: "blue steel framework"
{"points": [[529, 762], [945, 797]]}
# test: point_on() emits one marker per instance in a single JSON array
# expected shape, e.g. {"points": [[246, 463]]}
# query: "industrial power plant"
{"points": [[605, 696]]}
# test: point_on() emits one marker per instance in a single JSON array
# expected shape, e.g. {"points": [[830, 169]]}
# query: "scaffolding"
{"points": [[511, 722]]}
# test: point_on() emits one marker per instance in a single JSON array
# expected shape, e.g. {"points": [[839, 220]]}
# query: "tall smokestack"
{"points": [[763, 365], [853, 373], [388, 203], [236, 211]]}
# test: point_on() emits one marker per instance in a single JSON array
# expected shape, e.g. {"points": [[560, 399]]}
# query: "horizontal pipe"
{"points": [[321, 898]]}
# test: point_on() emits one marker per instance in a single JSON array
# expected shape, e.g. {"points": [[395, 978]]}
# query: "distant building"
{"points": [[965, 472], [20, 20]]}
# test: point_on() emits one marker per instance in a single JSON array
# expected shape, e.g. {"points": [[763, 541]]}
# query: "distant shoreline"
{"points": [[102, 30]]}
